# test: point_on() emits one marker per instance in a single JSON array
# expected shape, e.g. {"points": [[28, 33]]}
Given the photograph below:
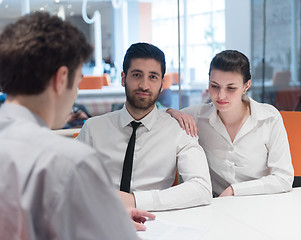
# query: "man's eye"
{"points": [[214, 86], [136, 75]]}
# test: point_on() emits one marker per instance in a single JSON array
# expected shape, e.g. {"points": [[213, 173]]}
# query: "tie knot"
{"points": [[135, 125]]}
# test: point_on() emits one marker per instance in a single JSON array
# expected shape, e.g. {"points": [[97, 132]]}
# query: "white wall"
{"points": [[238, 25]]}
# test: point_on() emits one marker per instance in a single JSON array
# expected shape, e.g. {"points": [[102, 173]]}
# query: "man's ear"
{"points": [[162, 86], [60, 80], [123, 79]]}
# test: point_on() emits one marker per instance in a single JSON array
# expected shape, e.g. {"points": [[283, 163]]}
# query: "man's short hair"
{"points": [[34, 48], [143, 50]]}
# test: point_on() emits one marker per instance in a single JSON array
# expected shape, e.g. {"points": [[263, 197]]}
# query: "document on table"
{"points": [[158, 229]]}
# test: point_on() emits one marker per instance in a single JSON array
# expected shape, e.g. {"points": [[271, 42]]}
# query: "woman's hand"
{"points": [[186, 121]]}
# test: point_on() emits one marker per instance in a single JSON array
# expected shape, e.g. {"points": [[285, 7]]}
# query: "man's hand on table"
{"points": [[139, 217]]}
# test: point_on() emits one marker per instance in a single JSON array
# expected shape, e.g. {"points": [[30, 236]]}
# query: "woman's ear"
{"points": [[247, 85], [60, 80]]}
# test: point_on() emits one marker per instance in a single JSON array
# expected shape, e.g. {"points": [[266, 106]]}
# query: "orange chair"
{"points": [[75, 135], [176, 182], [105, 79], [175, 78], [172, 78], [167, 81], [94, 82], [292, 123]]}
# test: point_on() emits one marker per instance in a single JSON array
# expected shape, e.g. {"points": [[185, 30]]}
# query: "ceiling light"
{"points": [[61, 13]]}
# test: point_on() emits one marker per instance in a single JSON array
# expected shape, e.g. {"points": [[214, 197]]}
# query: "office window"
{"points": [[276, 80], [202, 35]]}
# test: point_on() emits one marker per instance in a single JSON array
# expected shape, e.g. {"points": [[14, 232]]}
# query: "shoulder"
{"points": [[271, 109], [104, 117], [166, 124], [201, 110], [164, 117], [46, 151], [67, 148], [98, 121], [263, 111]]}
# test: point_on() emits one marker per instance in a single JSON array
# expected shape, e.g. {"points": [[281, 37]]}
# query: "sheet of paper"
{"points": [[159, 229]]}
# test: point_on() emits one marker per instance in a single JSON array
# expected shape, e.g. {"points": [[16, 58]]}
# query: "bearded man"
{"points": [[145, 147]]}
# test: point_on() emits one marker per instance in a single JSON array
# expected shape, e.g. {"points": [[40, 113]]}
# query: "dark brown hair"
{"points": [[144, 50], [34, 48], [231, 61]]}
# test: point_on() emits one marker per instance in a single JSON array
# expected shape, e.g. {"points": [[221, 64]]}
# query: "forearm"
{"points": [[189, 194], [266, 185]]}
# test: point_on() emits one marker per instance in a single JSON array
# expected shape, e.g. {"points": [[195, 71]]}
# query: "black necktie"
{"points": [[125, 183]]}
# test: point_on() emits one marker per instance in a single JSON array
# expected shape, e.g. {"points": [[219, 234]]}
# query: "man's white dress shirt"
{"points": [[258, 161], [52, 187], [161, 148]]}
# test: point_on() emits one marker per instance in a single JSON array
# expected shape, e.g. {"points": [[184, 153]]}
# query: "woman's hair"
{"points": [[231, 61], [34, 48]]}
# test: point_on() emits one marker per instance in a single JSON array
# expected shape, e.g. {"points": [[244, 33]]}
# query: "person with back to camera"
{"points": [[245, 141], [51, 187]]}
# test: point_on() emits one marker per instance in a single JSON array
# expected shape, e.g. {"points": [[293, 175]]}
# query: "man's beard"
{"points": [[140, 103]]}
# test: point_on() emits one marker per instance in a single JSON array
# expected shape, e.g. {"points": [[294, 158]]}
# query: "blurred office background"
{"points": [[190, 32]]}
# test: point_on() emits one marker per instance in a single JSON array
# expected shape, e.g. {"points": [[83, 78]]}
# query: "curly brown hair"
{"points": [[32, 50]]}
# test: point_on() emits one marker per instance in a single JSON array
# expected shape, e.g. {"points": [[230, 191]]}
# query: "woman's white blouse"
{"points": [[258, 161]]}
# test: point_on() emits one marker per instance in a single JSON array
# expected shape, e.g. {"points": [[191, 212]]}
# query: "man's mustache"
{"points": [[144, 91]]}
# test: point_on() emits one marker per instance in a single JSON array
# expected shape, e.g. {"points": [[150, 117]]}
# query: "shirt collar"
{"points": [[16, 111], [210, 113], [258, 111], [148, 121]]}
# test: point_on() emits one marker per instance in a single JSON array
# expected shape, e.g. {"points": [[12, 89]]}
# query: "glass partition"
{"points": [[276, 53], [123, 22]]}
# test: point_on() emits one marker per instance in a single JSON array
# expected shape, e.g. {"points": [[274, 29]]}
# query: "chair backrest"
{"points": [[94, 82], [282, 78], [90, 82], [292, 123], [167, 81], [176, 182], [105, 79], [172, 77]]}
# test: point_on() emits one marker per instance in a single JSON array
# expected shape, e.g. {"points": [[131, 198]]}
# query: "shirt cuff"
{"points": [[144, 200], [247, 188]]}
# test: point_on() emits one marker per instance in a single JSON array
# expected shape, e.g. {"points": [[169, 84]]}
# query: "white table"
{"points": [[275, 216], [67, 132]]}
